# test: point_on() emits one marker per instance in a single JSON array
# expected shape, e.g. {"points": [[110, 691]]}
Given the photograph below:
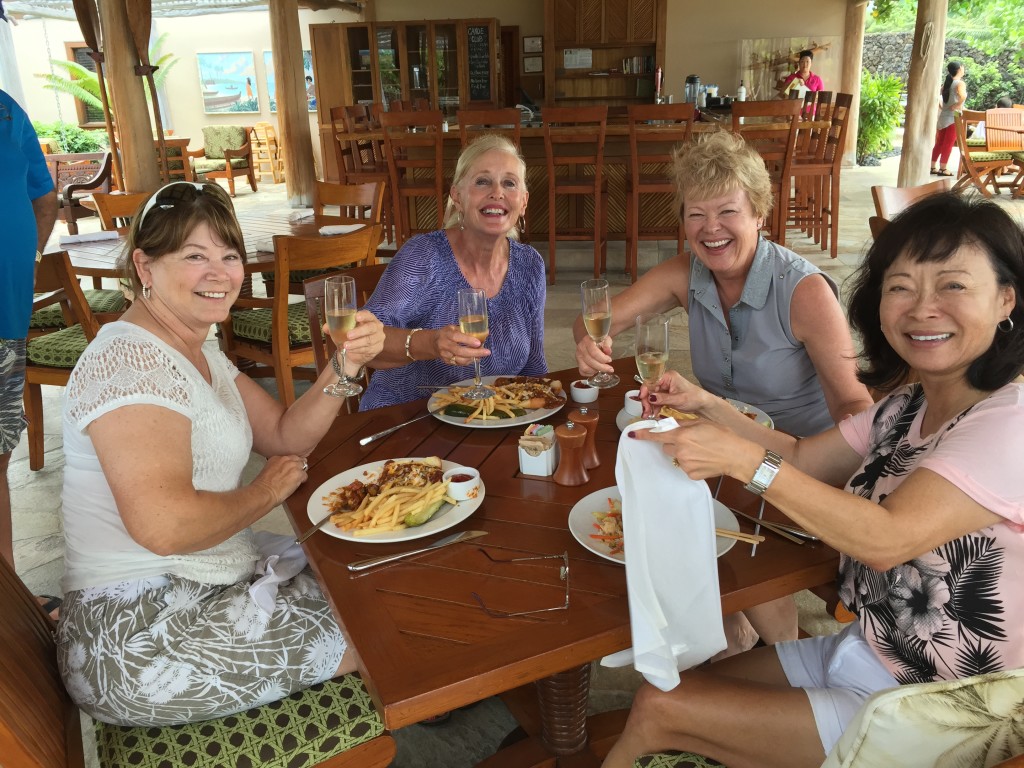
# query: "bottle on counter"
{"points": [[741, 92]]}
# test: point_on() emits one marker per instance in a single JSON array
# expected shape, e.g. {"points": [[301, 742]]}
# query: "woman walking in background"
{"points": [[954, 94]]}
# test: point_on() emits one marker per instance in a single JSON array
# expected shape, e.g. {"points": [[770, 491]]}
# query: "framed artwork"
{"points": [[533, 44], [307, 71], [533, 64], [227, 82]]}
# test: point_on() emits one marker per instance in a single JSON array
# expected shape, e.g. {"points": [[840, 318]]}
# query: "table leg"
{"points": [[563, 710]]}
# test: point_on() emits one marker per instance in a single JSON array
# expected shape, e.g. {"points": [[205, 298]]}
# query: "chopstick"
{"points": [[768, 525], [749, 538]]}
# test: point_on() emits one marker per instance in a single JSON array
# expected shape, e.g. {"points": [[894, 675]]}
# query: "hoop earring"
{"points": [[1005, 326], [521, 224], [462, 220], [147, 292]]}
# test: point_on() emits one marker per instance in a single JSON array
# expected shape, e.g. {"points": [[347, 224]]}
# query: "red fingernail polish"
{"points": [[631, 434], [653, 398]]}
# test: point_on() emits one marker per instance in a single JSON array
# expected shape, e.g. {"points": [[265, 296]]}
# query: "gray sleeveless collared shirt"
{"points": [[759, 362]]}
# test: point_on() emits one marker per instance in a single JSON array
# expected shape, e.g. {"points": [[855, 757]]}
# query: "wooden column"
{"points": [[853, 63], [292, 110], [925, 72], [131, 113]]}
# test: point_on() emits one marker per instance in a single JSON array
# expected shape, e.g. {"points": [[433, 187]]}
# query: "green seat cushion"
{"points": [[1018, 156], [99, 300], [972, 142], [204, 165], [675, 760], [254, 324], [303, 729], [984, 157], [217, 138], [60, 349]]}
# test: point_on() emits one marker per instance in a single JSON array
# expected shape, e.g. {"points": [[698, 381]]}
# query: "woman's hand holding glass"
{"points": [[592, 357], [597, 319], [676, 390]]}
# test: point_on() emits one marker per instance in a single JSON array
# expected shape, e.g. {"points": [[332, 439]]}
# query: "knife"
{"points": [[360, 565], [314, 528], [778, 531]]}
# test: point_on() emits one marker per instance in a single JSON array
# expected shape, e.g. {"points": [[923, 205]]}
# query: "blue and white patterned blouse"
{"points": [[420, 288]]}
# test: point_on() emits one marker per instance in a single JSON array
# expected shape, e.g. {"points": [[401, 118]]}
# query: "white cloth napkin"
{"points": [[340, 229], [299, 215], [87, 237], [266, 245], [281, 559], [675, 612]]}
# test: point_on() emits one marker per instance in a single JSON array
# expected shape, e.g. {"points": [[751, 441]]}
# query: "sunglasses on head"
{"points": [[168, 196]]}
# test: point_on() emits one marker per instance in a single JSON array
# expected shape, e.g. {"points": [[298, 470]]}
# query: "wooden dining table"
{"points": [[98, 258], [426, 646]]}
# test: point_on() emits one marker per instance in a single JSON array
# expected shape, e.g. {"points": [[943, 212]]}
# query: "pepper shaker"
{"points": [[571, 439], [588, 418]]}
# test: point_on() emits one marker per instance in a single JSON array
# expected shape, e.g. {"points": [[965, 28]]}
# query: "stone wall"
{"points": [[888, 53]]}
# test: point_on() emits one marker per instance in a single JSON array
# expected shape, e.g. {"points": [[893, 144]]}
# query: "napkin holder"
{"points": [[538, 451]]}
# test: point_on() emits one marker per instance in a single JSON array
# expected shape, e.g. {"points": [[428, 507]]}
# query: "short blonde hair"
{"points": [[717, 164], [480, 146]]}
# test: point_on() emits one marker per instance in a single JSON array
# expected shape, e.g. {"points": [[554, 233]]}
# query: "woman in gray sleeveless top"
{"points": [[765, 325]]}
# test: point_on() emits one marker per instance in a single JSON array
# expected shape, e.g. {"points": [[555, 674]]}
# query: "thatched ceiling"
{"points": [[63, 9]]}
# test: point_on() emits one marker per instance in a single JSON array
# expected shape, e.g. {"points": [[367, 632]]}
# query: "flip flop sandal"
{"points": [[50, 604], [934, 171], [943, 173]]}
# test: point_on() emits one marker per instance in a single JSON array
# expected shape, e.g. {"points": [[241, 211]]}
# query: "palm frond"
{"points": [[79, 89]]}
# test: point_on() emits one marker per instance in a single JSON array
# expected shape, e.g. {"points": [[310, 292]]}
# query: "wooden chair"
{"points": [[413, 144], [362, 161], [117, 210], [51, 356], [75, 176], [1004, 130], [891, 200], [473, 122], [771, 128], [816, 202], [40, 726], [266, 152], [175, 159], [574, 139], [355, 204], [275, 334], [225, 154], [980, 168], [366, 279], [654, 132]]}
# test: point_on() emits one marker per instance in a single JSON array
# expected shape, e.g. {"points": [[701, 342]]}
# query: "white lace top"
{"points": [[127, 365]]}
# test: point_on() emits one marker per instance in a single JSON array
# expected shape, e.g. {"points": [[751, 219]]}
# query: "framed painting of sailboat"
{"points": [[228, 82]]}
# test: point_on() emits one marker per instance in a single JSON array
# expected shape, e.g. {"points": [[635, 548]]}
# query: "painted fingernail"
{"points": [[653, 398], [631, 434]]}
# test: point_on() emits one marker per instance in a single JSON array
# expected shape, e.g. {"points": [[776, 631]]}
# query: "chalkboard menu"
{"points": [[479, 62]]}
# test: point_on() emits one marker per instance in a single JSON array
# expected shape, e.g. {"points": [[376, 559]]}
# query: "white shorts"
{"points": [[838, 672]]}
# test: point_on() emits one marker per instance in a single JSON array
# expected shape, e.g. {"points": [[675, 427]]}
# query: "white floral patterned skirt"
{"points": [[168, 650]]}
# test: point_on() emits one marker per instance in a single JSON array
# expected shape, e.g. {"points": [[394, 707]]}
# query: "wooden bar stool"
{"points": [[361, 161], [574, 139], [654, 131], [771, 128], [413, 145]]}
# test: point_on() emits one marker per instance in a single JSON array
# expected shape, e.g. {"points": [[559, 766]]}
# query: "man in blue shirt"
{"points": [[29, 205]]}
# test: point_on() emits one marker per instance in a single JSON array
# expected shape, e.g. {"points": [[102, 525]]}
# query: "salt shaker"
{"points": [[571, 439], [588, 418]]}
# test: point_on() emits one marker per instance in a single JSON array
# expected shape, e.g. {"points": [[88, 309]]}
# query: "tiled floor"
{"points": [[36, 495]]}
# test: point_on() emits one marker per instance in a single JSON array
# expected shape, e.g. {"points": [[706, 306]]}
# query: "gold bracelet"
{"points": [[408, 341]]}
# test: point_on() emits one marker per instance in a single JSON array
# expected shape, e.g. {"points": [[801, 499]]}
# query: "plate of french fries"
{"points": [[517, 400], [390, 501], [596, 523]]}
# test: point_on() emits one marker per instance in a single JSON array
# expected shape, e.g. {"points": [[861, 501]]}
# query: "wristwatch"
{"points": [[765, 474]]}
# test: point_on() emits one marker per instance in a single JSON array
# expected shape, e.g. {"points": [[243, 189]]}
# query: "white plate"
{"points": [[760, 416], [443, 520], [530, 416], [581, 523]]}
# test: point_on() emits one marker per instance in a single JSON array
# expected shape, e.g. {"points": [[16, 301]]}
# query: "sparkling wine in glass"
{"points": [[597, 319], [473, 322], [340, 310], [651, 347]]}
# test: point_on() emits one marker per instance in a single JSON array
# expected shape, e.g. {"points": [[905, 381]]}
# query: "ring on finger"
{"points": [[305, 465], [451, 360], [675, 462]]}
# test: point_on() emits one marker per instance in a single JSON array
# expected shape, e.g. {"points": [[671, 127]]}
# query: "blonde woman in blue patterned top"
{"points": [[417, 298]]}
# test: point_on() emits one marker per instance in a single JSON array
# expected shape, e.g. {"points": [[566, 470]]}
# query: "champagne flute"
{"points": [[651, 347], [473, 322], [597, 318], [340, 311]]}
